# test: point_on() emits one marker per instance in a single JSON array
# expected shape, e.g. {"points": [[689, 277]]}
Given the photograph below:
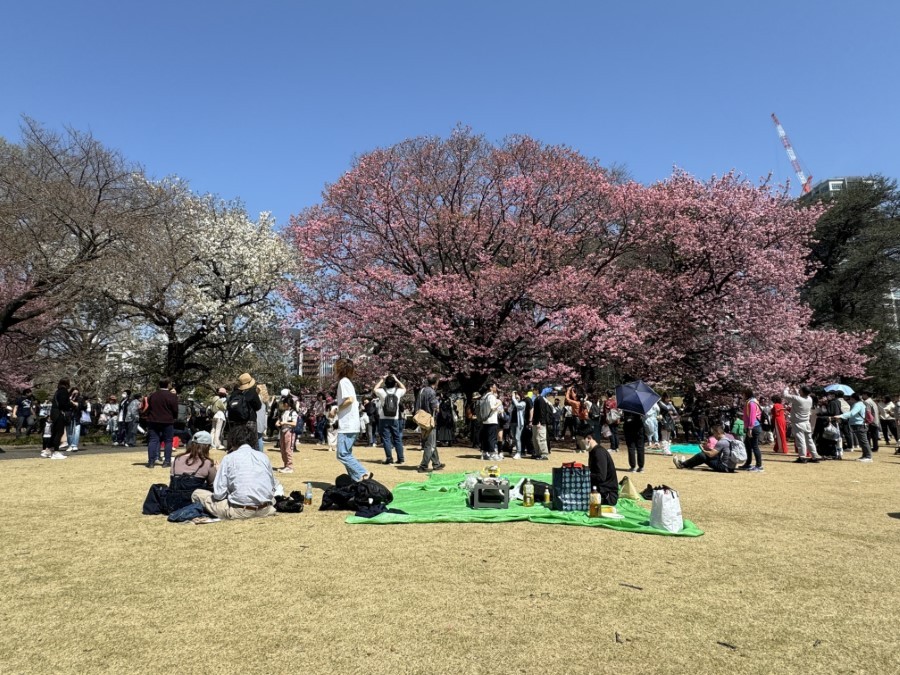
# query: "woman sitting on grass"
{"points": [[195, 462]]}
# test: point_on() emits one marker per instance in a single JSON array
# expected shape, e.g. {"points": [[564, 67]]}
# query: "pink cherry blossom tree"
{"points": [[521, 259], [464, 257], [715, 290]]}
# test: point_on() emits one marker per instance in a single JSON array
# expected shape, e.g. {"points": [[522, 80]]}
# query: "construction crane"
{"points": [[805, 183]]}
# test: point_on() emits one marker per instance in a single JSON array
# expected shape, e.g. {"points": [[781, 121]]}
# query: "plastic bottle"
{"points": [[307, 498], [547, 498], [528, 493], [594, 507]]}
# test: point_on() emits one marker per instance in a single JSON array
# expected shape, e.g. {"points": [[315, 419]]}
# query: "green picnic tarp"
{"points": [[439, 500]]}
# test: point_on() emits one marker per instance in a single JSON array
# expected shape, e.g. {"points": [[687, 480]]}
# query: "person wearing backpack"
{"points": [[390, 391], [717, 457], [488, 409], [244, 402]]}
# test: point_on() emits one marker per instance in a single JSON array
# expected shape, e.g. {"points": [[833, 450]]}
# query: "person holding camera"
{"points": [[390, 391]]}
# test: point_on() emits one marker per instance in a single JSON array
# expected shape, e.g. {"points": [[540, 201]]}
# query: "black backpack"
{"points": [[391, 405], [238, 408], [347, 495], [370, 491]]}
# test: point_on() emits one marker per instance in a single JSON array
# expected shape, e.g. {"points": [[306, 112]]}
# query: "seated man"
{"points": [[717, 456], [244, 486], [603, 471]]}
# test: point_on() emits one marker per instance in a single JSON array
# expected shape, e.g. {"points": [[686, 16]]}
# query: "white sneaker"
{"points": [[517, 456], [865, 459], [115, 444], [58, 455], [72, 448], [285, 470], [498, 457], [485, 457], [46, 454]]}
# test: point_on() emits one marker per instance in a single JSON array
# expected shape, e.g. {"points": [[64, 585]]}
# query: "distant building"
{"points": [[309, 361], [831, 186]]}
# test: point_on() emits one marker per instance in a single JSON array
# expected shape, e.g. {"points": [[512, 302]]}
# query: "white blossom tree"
{"points": [[203, 283]]}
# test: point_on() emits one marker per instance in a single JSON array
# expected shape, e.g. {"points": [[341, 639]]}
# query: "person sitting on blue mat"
{"points": [[717, 457]]}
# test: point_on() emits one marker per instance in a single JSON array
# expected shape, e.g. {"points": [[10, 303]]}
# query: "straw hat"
{"points": [[246, 382]]}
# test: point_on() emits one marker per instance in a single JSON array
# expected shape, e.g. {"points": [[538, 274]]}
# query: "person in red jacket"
{"points": [[162, 411], [779, 424]]}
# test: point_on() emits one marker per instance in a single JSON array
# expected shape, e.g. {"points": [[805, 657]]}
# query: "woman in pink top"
{"points": [[195, 461]]}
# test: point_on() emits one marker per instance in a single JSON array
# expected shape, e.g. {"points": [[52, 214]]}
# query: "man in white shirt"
{"points": [[390, 391], [244, 486], [348, 419]]}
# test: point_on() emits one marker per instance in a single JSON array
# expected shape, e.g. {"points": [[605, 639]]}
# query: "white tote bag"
{"points": [[665, 514]]}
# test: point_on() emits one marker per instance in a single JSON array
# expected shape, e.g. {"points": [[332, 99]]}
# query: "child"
{"points": [[331, 424], [286, 422]]}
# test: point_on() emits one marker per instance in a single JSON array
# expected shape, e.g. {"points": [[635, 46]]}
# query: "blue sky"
{"points": [[269, 101]]}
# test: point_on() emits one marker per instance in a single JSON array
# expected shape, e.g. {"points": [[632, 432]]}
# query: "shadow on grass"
{"points": [[894, 515]]}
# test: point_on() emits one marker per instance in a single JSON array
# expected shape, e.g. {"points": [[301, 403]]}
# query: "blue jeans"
{"points": [[129, 433], [613, 436], [73, 433], [159, 433], [391, 438], [345, 456], [320, 430]]}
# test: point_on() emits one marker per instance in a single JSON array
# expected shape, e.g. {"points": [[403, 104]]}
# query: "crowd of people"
{"points": [[514, 424]]}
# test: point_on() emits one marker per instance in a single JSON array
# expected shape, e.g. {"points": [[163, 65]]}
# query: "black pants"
{"points": [[57, 427], [489, 438], [609, 498], [754, 453], [888, 428], [873, 436], [613, 436], [635, 445]]}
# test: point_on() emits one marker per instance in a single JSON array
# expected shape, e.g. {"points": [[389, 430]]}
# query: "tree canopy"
{"points": [[480, 260]]}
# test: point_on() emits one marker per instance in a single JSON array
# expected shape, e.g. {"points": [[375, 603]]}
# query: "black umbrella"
{"points": [[636, 397]]}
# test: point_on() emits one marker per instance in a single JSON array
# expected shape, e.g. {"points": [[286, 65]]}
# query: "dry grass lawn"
{"points": [[798, 572]]}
